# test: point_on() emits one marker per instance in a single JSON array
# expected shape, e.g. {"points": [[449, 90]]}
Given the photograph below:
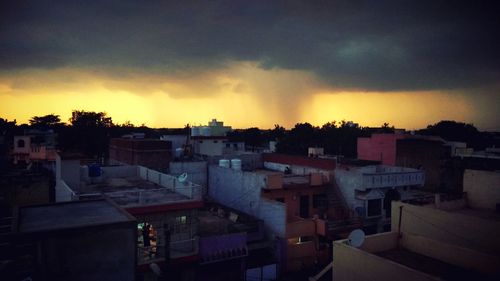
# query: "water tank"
{"points": [[178, 152], [225, 163], [205, 131], [94, 170], [195, 131], [236, 164]]}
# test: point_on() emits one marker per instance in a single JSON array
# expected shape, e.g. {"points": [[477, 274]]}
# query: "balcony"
{"points": [[156, 252], [298, 227], [329, 228], [223, 247], [301, 249], [393, 179]]}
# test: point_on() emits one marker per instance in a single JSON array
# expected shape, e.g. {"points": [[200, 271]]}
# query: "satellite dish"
{"points": [[356, 238], [182, 177], [156, 269]]}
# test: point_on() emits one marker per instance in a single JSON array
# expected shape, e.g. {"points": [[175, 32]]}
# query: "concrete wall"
{"points": [[379, 147], [348, 181], [242, 191], [291, 197], [273, 214], [459, 256], [236, 189], [69, 171], [196, 171], [119, 171], [483, 188], [209, 147], [186, 188], [63, 192], [455, 228], [351, 264]]}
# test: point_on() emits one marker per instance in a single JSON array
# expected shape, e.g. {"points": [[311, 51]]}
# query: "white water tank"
{"points": [[236, 164], [195, 131], [224, 163]]}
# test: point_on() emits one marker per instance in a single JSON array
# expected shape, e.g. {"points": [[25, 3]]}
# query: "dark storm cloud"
{"points": [[372, 45]]}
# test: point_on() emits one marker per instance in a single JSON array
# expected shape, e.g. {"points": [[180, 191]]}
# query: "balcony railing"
{"points": [[336, 227], [178, 249], [393, 179], [300, 227]]}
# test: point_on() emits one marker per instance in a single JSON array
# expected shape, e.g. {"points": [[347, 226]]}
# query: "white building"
{"points": [[211, 140], [368, 190]]}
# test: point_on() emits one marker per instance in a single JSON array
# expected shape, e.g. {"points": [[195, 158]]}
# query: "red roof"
{"points": [[319, 163]]}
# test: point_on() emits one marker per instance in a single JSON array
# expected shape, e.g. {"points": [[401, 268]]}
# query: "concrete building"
{"points": [[151, 153], [211, 140], [379, 147], [290, 194], [35, 146], [445, 240], [164, 206], [434, 157], [85, 240], [232, 244], [429, 153], [369, 189], [21, 187]]}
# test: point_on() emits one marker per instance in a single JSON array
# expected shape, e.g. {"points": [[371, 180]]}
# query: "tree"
{"points": [[46, 121], [81, 118], [90, 133]]}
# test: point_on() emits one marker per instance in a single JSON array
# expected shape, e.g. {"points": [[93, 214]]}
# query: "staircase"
{"points": [[341, 219]]}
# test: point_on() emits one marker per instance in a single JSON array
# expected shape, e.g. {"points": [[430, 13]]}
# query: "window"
{"points": [[235, 145], [319, 201], [200, 141], [228, 145], [374, 208], [280, 199], [20, 143], [181, 220], [216, 141]]}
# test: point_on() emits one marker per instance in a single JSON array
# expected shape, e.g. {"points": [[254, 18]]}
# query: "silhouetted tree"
{"points": [[458, 131], [298, 139], [46, 121], [89, 133]]}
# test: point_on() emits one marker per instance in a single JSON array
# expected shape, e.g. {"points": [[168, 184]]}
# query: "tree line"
{"points": [[89, 132]]}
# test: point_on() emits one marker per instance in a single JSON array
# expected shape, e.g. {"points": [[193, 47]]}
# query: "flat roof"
{"points": [[75, 214], [147, 197], [432, 266], [117, 184]]}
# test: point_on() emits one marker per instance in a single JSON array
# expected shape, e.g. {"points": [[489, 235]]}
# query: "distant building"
{"points": [[379, 147], [35, 146], [151, 153], [212, 140], [429, 153]]}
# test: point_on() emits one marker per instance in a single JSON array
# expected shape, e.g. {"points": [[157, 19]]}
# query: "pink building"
{"points": [[29, 148], [379, 147]]}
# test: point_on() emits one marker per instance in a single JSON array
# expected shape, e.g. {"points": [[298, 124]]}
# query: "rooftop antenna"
{"points": [[356, 238], [182, 177]]}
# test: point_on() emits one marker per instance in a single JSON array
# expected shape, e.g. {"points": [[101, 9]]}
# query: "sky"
{"points": [[253, 63]]}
